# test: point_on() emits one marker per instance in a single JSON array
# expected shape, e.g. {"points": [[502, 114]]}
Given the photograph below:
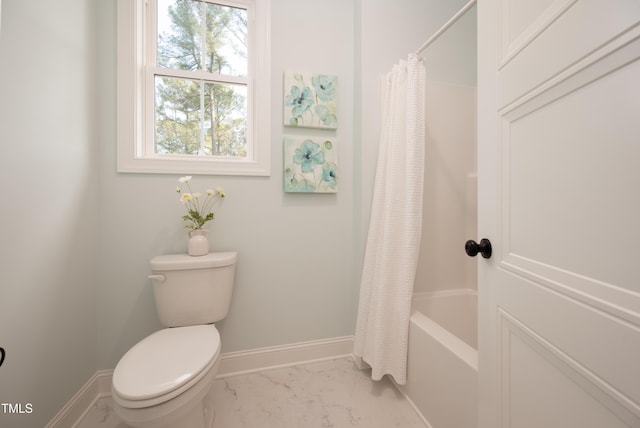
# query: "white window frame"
{"points": [[135, 117]]}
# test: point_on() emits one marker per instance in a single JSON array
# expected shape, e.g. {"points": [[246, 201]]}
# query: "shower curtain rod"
{"points": [[446, 26]]}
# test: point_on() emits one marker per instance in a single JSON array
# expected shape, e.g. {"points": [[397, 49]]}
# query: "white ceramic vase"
{"points": [[198, 242]]}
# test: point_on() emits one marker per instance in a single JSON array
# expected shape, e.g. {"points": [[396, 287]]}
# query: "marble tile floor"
{"points": [[330, 393]]}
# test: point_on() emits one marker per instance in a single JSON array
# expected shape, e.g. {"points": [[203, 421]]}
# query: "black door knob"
{"points": [[473, 248]]}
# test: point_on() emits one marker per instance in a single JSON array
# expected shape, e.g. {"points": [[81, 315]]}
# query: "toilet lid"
{"points": [[165, 361]]}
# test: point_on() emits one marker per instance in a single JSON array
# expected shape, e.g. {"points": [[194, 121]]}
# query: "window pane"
{"points": [[225, 120], [179, 34], [226, 40], [184, 128], [178, 116], [182, 25]]}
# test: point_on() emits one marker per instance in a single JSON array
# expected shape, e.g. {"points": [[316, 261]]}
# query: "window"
{"points": [[193, 86]]}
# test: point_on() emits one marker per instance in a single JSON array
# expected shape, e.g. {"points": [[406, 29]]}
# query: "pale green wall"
{"points": [[49, 213], [294, 278]]}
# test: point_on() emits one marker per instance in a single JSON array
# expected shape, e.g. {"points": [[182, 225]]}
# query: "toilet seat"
{"points": [[165, 364]]}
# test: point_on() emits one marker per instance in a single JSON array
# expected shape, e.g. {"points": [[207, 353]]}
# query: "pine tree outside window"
{"points": [[199, 102]]}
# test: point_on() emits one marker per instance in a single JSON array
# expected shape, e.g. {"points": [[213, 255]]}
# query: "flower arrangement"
{"points": [[199, 210]]}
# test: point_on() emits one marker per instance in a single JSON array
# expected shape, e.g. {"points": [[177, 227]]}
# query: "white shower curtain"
{"points": [[395, 227]]}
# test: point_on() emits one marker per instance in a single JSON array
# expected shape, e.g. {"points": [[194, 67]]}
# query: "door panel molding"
{"points": [[513, 44], [618, 52], [618, 300], [531, 345], [547, 38]]}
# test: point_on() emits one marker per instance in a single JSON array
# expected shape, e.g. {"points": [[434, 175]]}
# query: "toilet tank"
{"points": [[192, 290]]}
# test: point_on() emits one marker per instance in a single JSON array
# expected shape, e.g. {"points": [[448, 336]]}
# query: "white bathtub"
{"points": [[442, 366]]}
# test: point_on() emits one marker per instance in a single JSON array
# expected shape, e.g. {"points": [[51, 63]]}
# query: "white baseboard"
{"points": [[231, 364], [235, 363], [99, 385]]}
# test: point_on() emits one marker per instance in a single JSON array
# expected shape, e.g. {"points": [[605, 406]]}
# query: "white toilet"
{"points": [[165, 379]]}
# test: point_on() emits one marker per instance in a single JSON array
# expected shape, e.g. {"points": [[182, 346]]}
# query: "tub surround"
{"points": [[449, 202], [442, 367], [454, 310]]}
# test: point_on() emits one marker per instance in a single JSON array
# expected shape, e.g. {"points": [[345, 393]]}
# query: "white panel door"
{"points": [[559, 198]]}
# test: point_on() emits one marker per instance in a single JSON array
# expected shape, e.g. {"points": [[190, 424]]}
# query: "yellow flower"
{"points": [[199, 207]]}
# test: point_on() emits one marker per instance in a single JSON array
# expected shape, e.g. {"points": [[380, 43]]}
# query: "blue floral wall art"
{"points": [[310, 100], [310, 165]]}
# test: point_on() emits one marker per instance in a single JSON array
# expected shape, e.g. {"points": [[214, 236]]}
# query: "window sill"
{"points": [[182, 165]]}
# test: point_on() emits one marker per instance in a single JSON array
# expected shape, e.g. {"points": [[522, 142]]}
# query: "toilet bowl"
{"points": [[165, 380]]}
